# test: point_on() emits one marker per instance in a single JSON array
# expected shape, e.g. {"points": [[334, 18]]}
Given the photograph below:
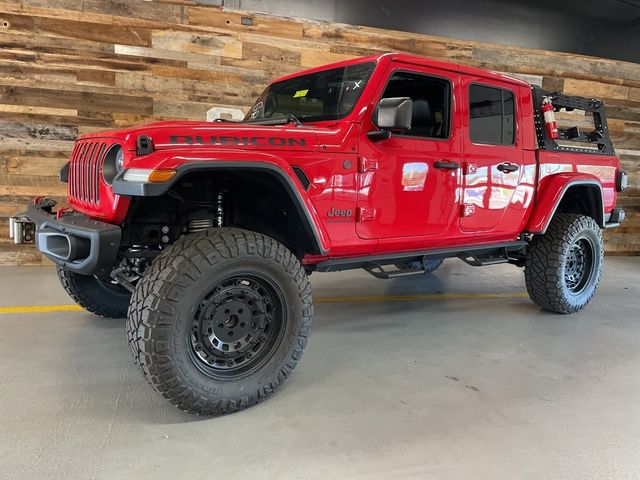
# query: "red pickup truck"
{"points": [[204, 233]]}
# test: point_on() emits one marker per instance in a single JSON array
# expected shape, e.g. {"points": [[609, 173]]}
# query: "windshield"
{"points": [[325, 95]]}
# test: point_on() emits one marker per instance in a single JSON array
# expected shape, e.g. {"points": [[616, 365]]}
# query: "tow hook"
{"points": [[21, 230]]}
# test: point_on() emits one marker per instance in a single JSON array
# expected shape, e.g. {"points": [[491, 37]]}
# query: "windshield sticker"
{"points": [[414, 176], [301, 93], [255, 111]]}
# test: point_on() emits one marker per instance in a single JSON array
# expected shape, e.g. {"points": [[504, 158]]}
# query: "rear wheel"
{"points": [[563, 266], [97, 294], [220, 320]]}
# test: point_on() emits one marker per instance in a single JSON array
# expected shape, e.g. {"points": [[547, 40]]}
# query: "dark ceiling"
{"points": [[605, 28]]}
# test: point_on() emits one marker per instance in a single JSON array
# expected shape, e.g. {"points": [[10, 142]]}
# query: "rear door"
{"points": [[493, 166], [408, 182]]}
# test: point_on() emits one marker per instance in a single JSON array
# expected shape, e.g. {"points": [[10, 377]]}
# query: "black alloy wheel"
{"points": [[237, 326], [579, 265]]}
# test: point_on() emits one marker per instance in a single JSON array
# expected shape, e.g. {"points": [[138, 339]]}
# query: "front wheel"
{"points": [[563, 266], [220, 320]]}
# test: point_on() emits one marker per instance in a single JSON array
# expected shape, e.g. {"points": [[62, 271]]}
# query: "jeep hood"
{"points": [[167, 135]]}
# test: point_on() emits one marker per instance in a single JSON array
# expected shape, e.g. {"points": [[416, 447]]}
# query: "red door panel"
{"points": [[401, 190], [495, 193]]}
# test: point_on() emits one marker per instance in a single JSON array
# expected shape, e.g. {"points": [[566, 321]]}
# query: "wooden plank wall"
{"points": [[69, 67]]}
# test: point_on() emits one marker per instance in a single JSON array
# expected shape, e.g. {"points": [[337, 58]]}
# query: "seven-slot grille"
{"points": [[84, 171]]}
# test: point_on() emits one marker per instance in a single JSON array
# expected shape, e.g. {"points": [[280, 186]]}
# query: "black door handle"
{"points": [[508, 167], [446, 165]]}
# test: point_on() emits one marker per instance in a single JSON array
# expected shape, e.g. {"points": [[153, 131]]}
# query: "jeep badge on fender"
{"points": [[339, 213], [204, 233]]}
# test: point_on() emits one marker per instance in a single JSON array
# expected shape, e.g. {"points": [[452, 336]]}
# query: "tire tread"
{"points": [[150, 311], [543, 278]]}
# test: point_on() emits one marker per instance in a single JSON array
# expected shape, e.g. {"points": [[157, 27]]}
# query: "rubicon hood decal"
{"points": [[232, 140], [241, 136]]}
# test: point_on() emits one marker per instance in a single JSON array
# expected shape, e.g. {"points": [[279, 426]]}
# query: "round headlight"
{"points": [[113, 162], [119, 159]]}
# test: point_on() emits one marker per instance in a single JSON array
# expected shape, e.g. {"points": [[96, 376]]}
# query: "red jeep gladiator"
{"points": [[204, 233]]}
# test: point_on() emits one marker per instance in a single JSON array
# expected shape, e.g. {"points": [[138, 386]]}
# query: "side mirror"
{"points": [[394, 113]]}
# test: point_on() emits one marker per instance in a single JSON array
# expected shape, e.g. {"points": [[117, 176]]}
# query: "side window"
{"points": [[431, 102], [492, 115]]}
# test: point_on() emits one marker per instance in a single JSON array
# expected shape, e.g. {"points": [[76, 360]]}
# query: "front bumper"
{"points": [[72, 240]]}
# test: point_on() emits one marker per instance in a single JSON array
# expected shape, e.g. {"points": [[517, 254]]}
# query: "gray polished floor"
{"points": [[399, 384]]}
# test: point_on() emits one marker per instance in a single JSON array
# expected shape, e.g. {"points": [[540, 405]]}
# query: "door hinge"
{"points": [[366, 214], [468, 209], [470, 168], [367, 164]]}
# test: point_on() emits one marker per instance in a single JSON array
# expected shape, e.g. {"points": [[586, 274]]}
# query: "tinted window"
{"points": [[430, 102], [492, 118], [325, 95]]}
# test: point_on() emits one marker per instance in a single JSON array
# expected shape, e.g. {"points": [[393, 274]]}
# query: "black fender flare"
{"points": [[548, 203], [145, 189]]}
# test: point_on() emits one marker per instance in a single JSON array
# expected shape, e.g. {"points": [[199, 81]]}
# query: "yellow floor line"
{"points": [[40, 309], [338, 299]]}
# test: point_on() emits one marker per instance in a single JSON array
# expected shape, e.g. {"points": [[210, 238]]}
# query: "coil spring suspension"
{"points": [[199, 224]]}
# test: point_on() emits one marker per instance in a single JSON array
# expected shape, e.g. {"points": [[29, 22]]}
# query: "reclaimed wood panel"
{"points": [[69, 67]]}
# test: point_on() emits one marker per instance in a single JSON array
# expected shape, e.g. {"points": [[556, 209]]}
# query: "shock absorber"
{"points": [[220, 210]]}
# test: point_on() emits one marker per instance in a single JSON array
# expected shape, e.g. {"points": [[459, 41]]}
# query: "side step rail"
{"points": [[477, 254], [378, 271]]}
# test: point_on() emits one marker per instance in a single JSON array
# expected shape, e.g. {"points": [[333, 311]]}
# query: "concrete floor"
{"points": [[458, 388]]}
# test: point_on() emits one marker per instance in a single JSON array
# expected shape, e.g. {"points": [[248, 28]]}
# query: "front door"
{"points": [[408, 183]]}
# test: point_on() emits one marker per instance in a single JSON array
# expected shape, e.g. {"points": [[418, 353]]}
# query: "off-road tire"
{"points": [[96, 295], [169, 296], [549, 257], [430, 266]]}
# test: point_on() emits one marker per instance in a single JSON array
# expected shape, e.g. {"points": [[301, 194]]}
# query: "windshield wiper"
{"points": [[290, 118]]}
